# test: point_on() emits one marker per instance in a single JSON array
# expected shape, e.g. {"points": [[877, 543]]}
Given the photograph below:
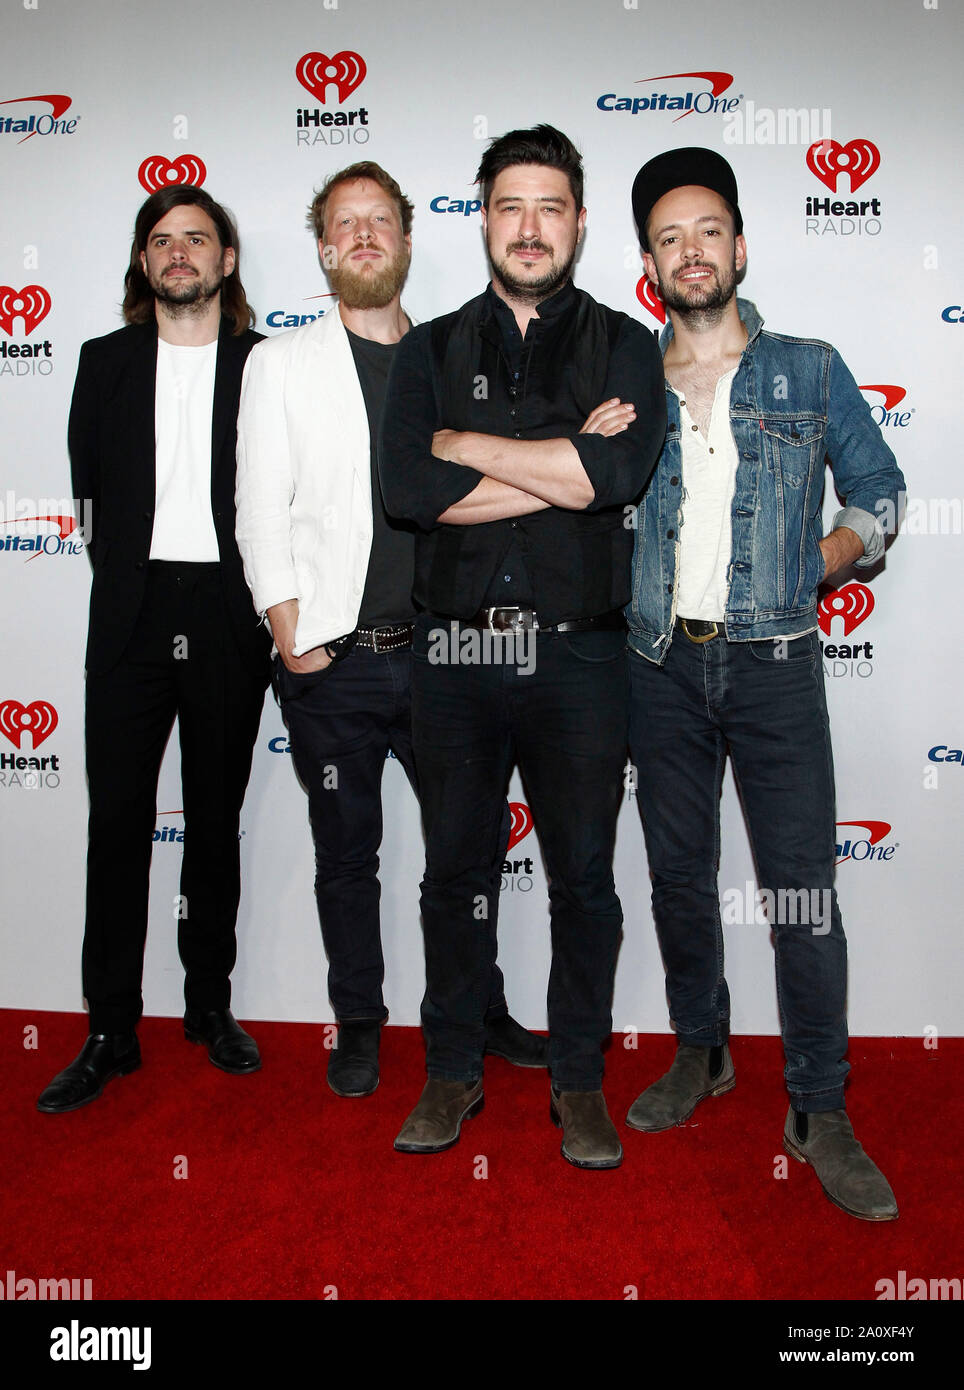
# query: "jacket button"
{"points": [[139, 565], [518, 434], [147, 516], [674, 482], [670, 534], [669, 588]]}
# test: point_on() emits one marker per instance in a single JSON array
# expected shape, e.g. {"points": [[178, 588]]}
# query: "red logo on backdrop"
{"points": [[32, 304], [521, 823], [649, 296], [719, 81], [58, 105], [828, 159], [39, 718], [876, 830], [854, 602], [316, 70], [64, 524], [157, 172], [893, 395]]}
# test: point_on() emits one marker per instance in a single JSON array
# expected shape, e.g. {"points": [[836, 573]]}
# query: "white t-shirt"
{"points": [[183, 408], [709, 478]]}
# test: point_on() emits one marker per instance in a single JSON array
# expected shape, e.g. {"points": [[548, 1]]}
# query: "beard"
{"points": [[185, 296], [530, 289], [703, 305], [370, 289]]}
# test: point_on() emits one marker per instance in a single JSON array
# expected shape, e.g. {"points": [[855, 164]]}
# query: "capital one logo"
{"points": [[859, 847], [32, 304], [893, 395], [853, 603], [315, 71], [158, 172], [649, 296], [828, 159], [521, 823], [39, 719]]}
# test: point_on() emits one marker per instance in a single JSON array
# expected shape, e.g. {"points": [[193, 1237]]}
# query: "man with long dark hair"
{"points": [[152, 436]]}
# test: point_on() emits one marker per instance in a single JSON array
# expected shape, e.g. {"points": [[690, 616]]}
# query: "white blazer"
{"points": [[304, 503]]}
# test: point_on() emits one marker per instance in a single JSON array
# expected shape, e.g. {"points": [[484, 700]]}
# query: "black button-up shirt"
{"points": [[459, 372]]}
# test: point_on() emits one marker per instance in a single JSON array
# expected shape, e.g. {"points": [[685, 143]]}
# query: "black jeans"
{"points": [[565, 723], [764, 702], [182, 662], [343, 722]]}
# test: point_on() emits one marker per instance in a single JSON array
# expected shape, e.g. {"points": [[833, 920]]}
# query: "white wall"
{"points": [[217, 81]]}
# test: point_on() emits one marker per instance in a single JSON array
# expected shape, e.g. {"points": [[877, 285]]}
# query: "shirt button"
{"points": [[147, 516], [139, 565], [711, 450], [518, 434], [506, 578], [512, 413], [694, 427], [514, 524]]}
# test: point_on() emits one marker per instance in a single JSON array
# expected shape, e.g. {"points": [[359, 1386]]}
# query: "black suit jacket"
{"points": [[111, 441]]}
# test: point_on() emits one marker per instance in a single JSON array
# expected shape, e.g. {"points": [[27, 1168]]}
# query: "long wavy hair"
{"points": [[138, 306]]}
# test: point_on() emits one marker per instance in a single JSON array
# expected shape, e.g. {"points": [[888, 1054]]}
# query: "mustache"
{"points": [[529, 246]]}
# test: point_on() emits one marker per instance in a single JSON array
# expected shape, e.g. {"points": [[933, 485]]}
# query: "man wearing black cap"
{"points": [[725, 654]]}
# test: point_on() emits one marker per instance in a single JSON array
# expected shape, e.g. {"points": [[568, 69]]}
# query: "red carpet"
{"points": [[291, 1192]]}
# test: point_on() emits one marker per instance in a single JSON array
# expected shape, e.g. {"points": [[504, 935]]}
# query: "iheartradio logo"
{"points": [[521, 823], [32, 304], [852, 603], [828, 159], [39, 719], [158, 172], [649, 296], [315, 71]]}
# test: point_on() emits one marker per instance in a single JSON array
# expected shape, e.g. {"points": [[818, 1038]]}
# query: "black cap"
{"points": [[678, 169]]}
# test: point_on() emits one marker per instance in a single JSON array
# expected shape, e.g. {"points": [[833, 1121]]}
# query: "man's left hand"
{"points": [[840, 549]]}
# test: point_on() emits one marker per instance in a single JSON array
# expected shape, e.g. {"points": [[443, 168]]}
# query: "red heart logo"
{"points": [[650, 297], [39, 718], [157, 172], [31, 304], [854, 602], [316, 70], [521, 823], [828, 158]]}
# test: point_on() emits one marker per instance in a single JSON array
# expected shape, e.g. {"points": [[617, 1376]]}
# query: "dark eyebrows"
{"points": [[510, 198], [154, 235], [674, 226]]}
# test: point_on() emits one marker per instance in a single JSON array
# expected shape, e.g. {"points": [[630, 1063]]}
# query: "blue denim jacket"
{"points": [[793, 404]]}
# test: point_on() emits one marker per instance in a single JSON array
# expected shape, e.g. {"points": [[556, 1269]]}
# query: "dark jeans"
{"points": [[565, 724], [342, 723], [765, 702], [182, 662]]}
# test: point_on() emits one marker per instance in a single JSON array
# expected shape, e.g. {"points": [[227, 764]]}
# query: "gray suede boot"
{"points": [[849, 1178], [673, 1098]]}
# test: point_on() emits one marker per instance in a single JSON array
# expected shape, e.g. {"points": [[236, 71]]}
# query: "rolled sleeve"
{"points": [[416, 485], [865, 470], [619, 467]]}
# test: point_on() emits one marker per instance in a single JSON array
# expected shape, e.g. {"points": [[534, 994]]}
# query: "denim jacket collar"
{"points": [[749, 315]]}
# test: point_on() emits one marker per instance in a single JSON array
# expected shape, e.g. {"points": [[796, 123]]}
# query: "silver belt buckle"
{"points": [[525, 619], [386, 634]]}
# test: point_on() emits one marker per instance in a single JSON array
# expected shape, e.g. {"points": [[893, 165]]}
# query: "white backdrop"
{"points": [[90, 90]]}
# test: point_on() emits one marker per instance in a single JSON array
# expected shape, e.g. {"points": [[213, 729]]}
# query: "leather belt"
{"points": [[386, 639], [521, 619], [698, 630]]}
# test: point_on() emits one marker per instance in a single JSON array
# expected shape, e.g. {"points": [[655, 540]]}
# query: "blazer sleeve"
{"points": [[265, 481], [83, 444]]}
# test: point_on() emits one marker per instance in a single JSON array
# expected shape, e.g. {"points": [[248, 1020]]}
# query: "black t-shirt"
{"points": [[391, 566]]}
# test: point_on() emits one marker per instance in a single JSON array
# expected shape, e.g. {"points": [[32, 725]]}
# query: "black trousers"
{"points": [[182, 662], [343, 722]]}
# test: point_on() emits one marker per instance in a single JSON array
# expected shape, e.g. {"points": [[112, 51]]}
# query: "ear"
{"points": [[229, 260], [143, 263], [649, 265], [739, 251], [580, 226], [485, 221]]}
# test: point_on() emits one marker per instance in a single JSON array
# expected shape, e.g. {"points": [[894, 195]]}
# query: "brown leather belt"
{"points": [[521, 619], [698, 630], [386, 639]]}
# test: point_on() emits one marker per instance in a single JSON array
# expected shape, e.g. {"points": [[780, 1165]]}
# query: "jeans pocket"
{"points": [[784, 650]]}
